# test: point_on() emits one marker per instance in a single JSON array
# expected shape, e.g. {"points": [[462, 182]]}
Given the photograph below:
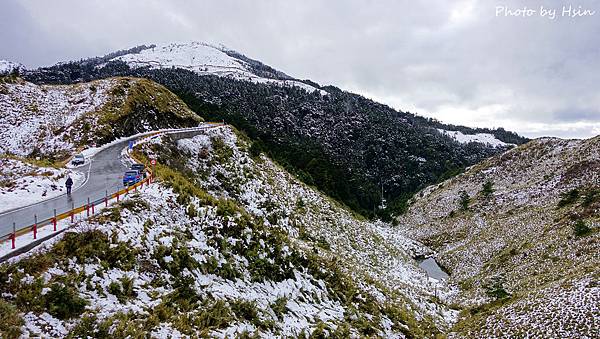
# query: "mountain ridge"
{"points": [[329, 140], [114, 56]]}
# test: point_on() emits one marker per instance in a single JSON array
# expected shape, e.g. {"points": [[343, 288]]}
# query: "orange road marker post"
{"points": [[54, 220], [87, 207], [153, 163]]}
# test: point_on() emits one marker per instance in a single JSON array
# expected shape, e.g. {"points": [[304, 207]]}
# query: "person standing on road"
{"points": [[69, 184]]}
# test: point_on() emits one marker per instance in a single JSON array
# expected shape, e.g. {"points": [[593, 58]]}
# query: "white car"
{"points": [[79, 159]]}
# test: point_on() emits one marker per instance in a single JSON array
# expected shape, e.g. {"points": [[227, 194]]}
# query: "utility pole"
{"points": [[383, 201]]}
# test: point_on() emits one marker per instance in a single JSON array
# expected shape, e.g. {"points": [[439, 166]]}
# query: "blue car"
{"points": [[131, 177]]}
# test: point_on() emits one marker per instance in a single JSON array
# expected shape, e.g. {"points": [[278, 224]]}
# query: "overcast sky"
{"points": [[462, 62]]}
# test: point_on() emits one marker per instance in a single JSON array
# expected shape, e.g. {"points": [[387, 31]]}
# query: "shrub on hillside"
{"points": [[464, 200], [64, 302], [122, 289], [136, 204], [191, 211], [487, 188], [256, 149], [246, 310], [581, 229], [213, 315], [221, 150], [279, 307], [29, 296], [591, 197], [568, 198], [95, 245], [10, 321], [495, 288]]}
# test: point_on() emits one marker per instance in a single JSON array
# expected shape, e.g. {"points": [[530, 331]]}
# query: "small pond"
{"points": [[432, 268]]}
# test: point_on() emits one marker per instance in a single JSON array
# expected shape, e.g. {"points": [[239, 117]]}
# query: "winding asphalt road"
{"points": [[105, 171]]}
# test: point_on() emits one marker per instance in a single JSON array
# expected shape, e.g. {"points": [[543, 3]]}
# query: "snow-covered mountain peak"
{"points": [[208, 59], [195, 56]]}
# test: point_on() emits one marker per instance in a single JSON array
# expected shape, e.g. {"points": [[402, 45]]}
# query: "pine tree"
{"points": [[581, 229], [487, 188]]}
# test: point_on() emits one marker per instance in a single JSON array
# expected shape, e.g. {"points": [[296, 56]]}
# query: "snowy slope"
{"points": [[6, 67], [235, 247], [203, 59], [520, 236], [152, 223], [366, 249], [484, 138], [22, 184], [51, 121], [165, 263], [35, 117]]}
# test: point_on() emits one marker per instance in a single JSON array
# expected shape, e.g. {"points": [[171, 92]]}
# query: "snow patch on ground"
{"points": [[45, 324], [23, 184], [38, 118], [484, 138], [546, 313]]}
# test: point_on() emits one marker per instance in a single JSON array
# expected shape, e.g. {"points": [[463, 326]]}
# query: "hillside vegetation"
{"points": [[51, 121], [519, 234], [227, 244]]}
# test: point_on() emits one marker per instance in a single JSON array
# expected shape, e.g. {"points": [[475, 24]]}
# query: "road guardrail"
{"points": [[90, 206]]}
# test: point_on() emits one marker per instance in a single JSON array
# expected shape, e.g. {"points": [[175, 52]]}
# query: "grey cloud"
{"points": [[455, 61], [575, 113]]}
